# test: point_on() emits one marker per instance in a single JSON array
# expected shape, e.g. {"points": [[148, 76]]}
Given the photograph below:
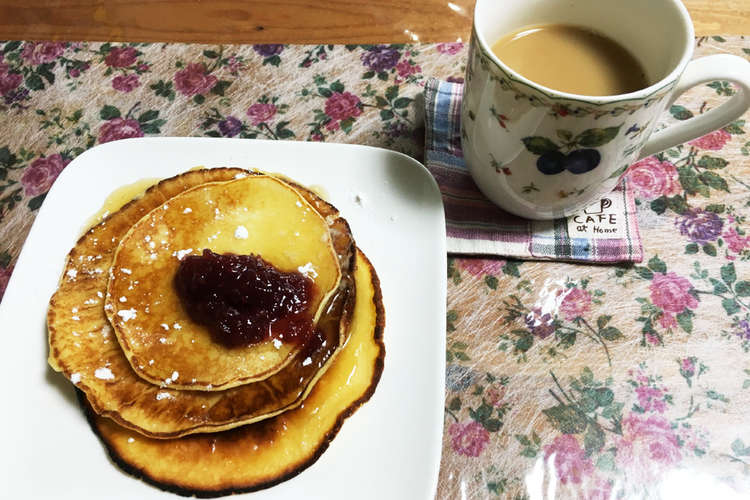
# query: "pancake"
{"points": [[259, 215], [260, 455], [83, 348]]}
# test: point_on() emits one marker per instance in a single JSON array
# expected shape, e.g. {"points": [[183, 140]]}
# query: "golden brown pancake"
{"points": [[260, 455], [259, 215], [83, 347]]}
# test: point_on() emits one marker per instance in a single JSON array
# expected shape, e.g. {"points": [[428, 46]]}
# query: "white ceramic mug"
{"points": [[514, 130]]}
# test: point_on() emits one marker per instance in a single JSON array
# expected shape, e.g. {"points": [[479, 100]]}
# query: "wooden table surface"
{"points": [[287, 21]]}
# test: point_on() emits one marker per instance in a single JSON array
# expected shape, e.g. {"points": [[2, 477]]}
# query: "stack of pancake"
{"points": [[171, 403]]}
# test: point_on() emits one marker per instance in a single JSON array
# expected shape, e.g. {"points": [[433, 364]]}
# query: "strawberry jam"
{"points": [[244, 300]]}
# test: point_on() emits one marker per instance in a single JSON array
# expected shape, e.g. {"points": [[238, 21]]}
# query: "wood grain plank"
{"points": [[728, 17], [274, 21]]}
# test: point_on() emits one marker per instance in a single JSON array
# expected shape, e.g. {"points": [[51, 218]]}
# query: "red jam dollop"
{"points": [[244, 300]]}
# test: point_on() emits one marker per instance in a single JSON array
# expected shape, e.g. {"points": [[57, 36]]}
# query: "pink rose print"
{"points": [[261, 112], [8, 81], [480, 267], [42, 52], [234, 65], [672, 293], [734, 241], [5, 273], [125, 83], [38, 177], [451, 48], [75, 72], [121, 57], [194, 80], [468, 438], [713, 141], [651, 399], [648, 445], [570, 460], [495, 395], [693, 439], [653, 339], [119, 128], [405, 69], [576, 302], [688, 366], [332, 126], [343, 105], [652, 178], [667, 321], [600, 489]]}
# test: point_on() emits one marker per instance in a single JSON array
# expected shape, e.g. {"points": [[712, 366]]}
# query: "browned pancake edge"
{"points": [[283, 475]]}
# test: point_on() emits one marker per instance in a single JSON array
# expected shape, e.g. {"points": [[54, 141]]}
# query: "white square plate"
{"points": [[390, 448]]}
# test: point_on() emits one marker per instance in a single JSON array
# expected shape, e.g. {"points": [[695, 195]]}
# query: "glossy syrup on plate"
{"points": [[118, 198]]}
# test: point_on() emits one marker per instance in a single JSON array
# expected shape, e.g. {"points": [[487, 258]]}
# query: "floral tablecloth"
{"points": [[562, 380]]}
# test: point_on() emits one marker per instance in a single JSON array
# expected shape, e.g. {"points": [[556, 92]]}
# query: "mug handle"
{"points": [[706, 69]]}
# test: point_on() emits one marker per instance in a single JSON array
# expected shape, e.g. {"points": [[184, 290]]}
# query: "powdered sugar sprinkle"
{"points": [[104, 373], [127, 314], [308, 270], [241, 233]]}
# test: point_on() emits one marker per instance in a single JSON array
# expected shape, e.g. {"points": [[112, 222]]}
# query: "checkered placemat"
{"points": [[476, 226]]}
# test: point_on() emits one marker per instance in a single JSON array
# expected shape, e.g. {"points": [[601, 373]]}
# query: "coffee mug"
{"points": [[509, 123]]}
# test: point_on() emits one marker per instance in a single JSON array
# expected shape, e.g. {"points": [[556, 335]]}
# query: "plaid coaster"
{"points": [[476, 226]]}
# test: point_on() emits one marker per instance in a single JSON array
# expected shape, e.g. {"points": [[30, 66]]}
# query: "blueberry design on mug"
{"points": [[576, 154]]}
